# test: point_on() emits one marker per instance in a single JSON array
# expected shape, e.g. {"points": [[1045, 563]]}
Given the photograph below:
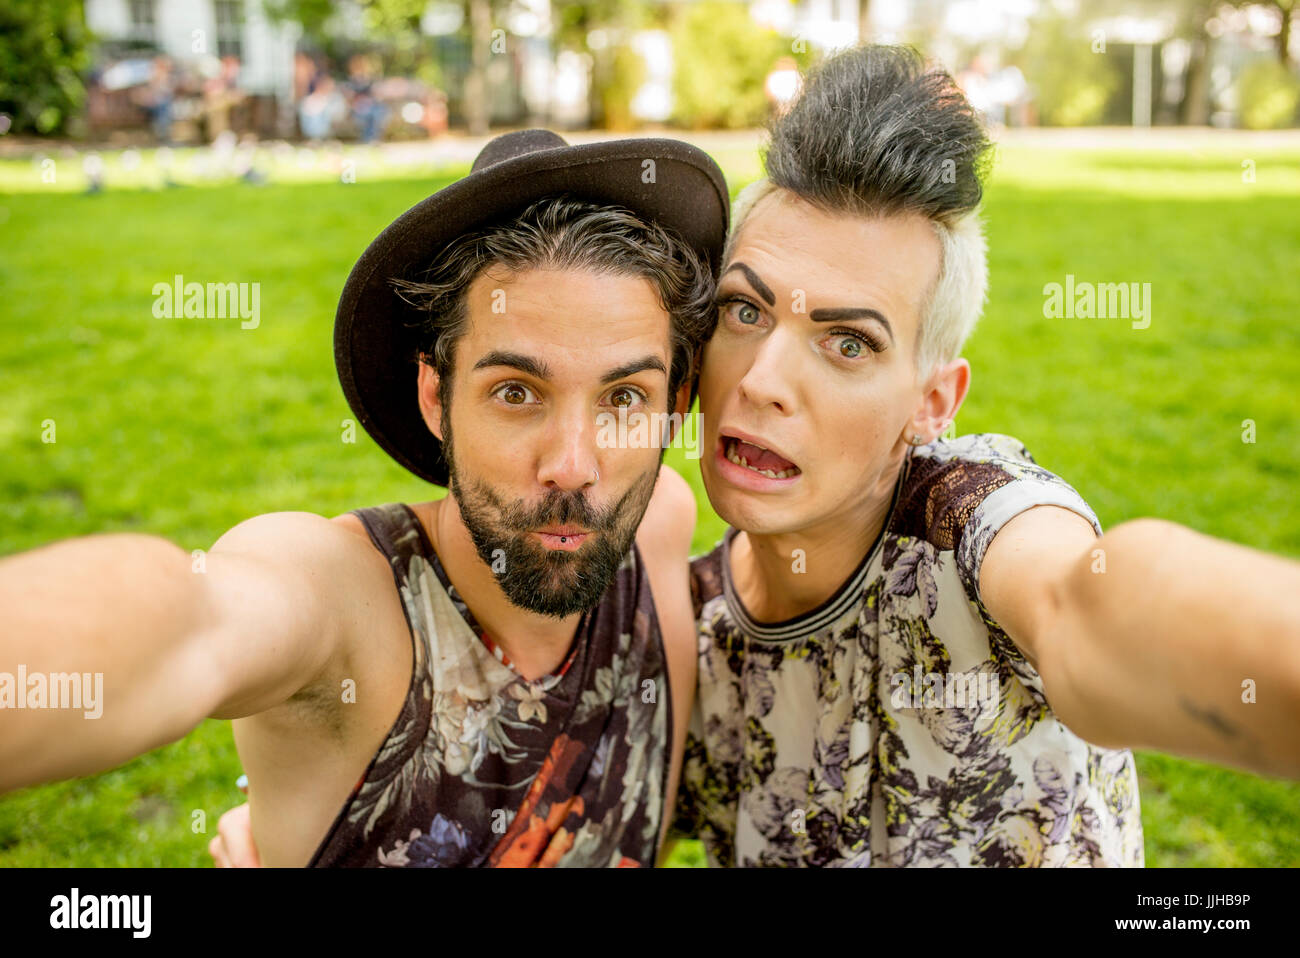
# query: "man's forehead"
{"points": [[572, 315]]}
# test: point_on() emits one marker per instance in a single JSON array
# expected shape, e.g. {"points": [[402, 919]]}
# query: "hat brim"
{"points": [[374, 348]]}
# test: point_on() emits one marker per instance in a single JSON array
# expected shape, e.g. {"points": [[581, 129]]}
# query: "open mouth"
{"points": [[757, 459]]}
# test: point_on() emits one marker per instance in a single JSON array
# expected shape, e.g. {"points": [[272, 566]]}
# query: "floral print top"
{"points": [[485, 768], [897, 724]]}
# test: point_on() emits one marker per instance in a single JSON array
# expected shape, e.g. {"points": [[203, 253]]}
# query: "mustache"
{"points": [[561, 507]]}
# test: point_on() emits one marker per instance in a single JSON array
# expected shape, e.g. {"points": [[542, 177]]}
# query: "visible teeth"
{"points": [[742, 461]]}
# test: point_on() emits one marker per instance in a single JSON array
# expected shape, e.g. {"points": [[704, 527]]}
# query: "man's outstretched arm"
{"points": [[174, 645], [1155, 636]]}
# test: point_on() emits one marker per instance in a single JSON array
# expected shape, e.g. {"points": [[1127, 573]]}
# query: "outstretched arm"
{"points": [[253, 624], [1155, 636]]}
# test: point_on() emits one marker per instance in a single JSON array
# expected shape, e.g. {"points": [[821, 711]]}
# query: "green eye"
{"points": [[747, 314], [851, 348]]}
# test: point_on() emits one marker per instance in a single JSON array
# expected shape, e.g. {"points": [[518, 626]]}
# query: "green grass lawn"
{"points": [[185, 427]]}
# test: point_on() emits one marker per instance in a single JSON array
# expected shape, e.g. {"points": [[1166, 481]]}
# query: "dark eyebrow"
{"points": [[760, 287], [525, 364], [843, 313], [539, 370], [634, 367]]}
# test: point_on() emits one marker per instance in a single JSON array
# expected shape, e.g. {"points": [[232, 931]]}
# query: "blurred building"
{"points": [[192, 29]]}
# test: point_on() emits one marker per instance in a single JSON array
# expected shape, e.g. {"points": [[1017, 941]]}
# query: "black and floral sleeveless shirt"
{"points": [[484, 768]]}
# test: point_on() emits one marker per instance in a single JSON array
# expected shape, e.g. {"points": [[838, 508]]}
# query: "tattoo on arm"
{"points": [[1211, 718]]}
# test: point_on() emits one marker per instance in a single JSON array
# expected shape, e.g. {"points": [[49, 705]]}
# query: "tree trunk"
{"points": [[1196, 91], [477, 111], [1284, 36]]}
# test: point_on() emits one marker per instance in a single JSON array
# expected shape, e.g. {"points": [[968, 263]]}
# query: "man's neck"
{"points": [[536, 644], [785, 575]]}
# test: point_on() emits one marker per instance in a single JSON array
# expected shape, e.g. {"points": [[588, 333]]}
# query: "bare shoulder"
{"points": [[664, 539], [1025, 567], [299, 599], [272, 530], [352, 524], [669, 523], [313, 572]]}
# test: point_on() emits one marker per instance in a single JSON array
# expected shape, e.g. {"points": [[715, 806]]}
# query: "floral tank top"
{"points": [[898, 724], [484, 768]]}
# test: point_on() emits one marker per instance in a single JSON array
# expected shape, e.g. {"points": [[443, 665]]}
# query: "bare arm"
{"points": [[1184, 643], [173, 645], [665, 541]]}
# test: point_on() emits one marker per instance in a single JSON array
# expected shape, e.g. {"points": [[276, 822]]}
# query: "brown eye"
{"points": [[622, 397], [514, 394]]}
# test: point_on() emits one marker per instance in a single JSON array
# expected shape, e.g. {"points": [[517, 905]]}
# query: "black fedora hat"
{"points": [[665, 181]]}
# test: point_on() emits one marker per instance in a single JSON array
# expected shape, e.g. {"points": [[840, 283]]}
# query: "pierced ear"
{"points": [[943, 396], [427, 385]]}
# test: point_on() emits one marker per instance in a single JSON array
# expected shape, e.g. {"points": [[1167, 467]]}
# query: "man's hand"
{"points": [[233, 847]]}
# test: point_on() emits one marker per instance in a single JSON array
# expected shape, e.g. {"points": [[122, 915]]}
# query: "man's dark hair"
{"points": [[562, 232], [876, 132]]}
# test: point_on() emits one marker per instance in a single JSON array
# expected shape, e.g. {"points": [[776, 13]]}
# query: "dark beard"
{"points": [[550, 582]]}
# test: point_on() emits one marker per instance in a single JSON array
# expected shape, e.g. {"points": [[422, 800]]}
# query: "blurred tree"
{"points": [[1195, 108], [1194, 15], [1267, 96], [721, 59], [1191, 25], [477, 110], [44, 50], [616, 69], [1285, 9], [1190, 17], [1072, 84], [311, 15]]}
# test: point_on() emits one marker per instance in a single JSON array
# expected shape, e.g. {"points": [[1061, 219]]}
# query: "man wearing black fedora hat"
{"points": [[499, 677]]}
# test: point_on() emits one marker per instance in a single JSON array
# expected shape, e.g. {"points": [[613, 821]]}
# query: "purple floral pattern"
{"points": [[806, 749]]}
